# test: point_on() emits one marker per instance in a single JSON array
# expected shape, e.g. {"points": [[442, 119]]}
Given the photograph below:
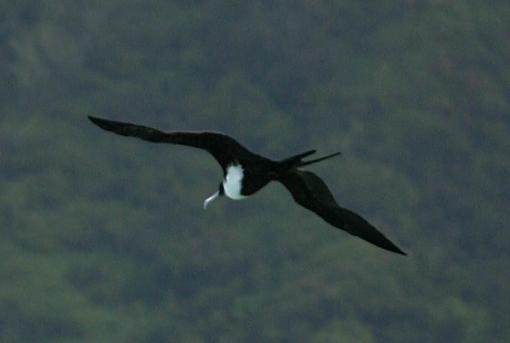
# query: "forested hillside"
{"points": [[103, 238]]}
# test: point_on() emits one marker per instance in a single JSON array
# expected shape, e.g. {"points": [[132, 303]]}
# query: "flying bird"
{"points": [[245, 173]]}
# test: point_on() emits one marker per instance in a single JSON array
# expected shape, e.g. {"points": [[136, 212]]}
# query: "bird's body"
{"points": [[245, 173]]}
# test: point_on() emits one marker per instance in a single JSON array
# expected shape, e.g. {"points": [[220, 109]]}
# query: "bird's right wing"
{"points": [[222, 147], [311, 192]]}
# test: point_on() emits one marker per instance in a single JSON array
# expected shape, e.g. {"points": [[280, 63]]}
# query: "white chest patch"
{"points": [[232, 183]]}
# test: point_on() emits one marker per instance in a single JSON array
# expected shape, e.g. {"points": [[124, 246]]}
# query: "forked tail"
{"points": [[296, 161], [306, 163]]}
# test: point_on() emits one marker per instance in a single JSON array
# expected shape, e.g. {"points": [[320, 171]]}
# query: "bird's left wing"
{"points": [[222, 147], [311, 192]]}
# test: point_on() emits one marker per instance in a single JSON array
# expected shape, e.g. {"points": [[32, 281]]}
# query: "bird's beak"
{"points": [[211, 198]]}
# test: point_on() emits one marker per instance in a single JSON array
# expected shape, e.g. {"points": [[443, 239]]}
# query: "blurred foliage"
{"points": [[103, 239]]}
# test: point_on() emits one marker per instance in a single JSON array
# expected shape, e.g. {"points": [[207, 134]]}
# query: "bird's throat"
{"points": [[233, 182]]}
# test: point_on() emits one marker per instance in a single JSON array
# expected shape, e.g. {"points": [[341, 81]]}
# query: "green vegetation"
{"points": [[103, 238]]}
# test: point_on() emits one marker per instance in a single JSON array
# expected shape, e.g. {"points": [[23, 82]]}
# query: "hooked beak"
{"points": [[211, 198]]}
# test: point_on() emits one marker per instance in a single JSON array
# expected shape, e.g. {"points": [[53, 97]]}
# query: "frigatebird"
{"points": [[245, 172]]}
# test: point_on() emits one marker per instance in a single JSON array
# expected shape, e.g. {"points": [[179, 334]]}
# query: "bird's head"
{"points": [[216, 194]]}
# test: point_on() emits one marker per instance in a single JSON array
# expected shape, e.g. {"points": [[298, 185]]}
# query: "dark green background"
{"points": [[104, 239]]}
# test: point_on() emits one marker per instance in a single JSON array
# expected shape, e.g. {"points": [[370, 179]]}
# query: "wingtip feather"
{"points": [[399, 251], [103, 123], [96, 120]]}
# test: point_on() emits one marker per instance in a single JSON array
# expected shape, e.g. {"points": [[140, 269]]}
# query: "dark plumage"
{"points": [[246, 172]]}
